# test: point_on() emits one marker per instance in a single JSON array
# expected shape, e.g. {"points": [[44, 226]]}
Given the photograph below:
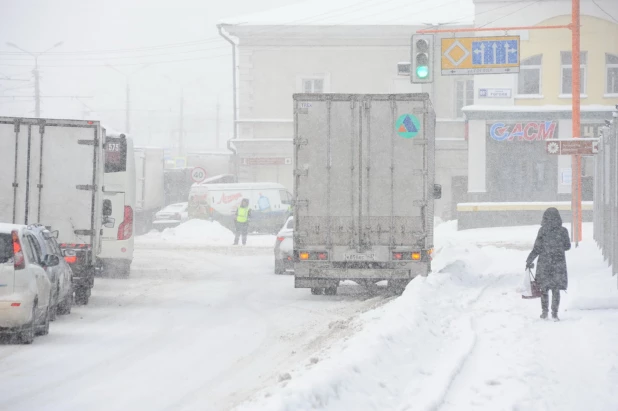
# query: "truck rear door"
{"points": [[56, 176]]}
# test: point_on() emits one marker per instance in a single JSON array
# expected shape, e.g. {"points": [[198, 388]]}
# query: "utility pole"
{"points": [[127, 122], [36, 73], [181, 130], [218, 124]]}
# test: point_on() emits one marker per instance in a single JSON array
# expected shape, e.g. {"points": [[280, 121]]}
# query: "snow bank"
{"points": [[409, 353], [411, 348], [202, 233]]}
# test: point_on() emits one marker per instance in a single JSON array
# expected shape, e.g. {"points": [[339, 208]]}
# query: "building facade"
{"points": [[282, 55], [513, 114]]}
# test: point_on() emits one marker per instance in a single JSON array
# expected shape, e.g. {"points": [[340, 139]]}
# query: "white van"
{"points": [[270, 204]]}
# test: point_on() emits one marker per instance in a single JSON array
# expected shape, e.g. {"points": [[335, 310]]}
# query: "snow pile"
{"points": [[463, 338], [202, 233]]}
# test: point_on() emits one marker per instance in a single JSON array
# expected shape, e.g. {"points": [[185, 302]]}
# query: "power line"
{"points": [[604, 11], [511, 13]]}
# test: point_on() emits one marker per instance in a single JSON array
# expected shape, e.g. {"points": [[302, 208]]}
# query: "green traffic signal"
{"points": [[422, 71]]}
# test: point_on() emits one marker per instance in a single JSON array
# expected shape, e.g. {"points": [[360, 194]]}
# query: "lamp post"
{"points": [[35, 72], [128, 93]]}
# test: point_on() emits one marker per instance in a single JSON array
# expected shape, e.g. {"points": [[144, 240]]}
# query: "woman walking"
{"points": [[551, 271]]}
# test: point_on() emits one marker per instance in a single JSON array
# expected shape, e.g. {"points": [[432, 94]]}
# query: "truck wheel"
{"points": [[82, 296], [330, 291], [317, 291], [27, 335]]}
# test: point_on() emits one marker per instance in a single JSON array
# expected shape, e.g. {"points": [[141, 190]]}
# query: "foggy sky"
{"points": [[90, 26]]}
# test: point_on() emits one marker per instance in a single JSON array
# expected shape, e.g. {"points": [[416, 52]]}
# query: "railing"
{"points": [[606, 194]]}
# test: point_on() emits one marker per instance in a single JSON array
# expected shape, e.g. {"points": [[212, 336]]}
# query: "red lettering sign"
{"points": [[228, 199]]}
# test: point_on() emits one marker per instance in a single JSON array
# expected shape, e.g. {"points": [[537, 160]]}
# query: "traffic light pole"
{"points": [[576, 182]]}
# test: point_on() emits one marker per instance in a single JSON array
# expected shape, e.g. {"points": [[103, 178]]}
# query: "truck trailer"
{"points": [[364, 189], [51, 173]]}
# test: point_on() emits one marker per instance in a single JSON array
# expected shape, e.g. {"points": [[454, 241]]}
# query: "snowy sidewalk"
{"points": [[464, 339]]}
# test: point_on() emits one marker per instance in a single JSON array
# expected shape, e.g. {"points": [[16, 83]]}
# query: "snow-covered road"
{"points": [[192, 328], [201, 325]]}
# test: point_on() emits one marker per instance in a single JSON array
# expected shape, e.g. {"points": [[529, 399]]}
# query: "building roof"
{"points": [[362, 13]]}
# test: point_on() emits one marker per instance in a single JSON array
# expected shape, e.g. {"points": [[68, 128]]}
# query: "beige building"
{"points": [[337, 47]]}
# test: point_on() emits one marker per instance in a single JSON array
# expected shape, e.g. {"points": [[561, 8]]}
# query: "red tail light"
{"points": [[323, 256], [18, 253], [280, 239], [71, 259], [125, 230], [398, 256]]}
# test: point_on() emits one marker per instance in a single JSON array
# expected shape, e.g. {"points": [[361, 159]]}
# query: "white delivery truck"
{"points": [[269, 203], [51, 173], [149, 186], [364, 189]]}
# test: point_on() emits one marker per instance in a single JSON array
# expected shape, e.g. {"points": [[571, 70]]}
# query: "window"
{"points": [[313, 85], [290, 225], [529, 77], [464, 95], [611, 64], [115, 155], [566, 61], [6, 247], [33, 250]]}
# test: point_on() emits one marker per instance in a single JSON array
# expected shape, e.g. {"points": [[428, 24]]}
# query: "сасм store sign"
{"points": [[524, 131]]}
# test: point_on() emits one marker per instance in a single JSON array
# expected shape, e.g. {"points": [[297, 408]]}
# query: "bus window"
{"points": [[115, 155]]}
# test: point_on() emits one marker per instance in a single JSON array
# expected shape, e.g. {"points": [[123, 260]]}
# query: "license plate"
{"points": [[360, 257]]}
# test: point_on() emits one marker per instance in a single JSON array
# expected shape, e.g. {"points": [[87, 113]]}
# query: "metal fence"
{"points": [[606, 194]]}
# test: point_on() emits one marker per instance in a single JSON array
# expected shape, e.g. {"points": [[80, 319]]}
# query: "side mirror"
{"points": [[109, 222], [437, 191], [55, 234], [51, 260]]}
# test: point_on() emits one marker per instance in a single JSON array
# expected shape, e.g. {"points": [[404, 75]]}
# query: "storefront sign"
{"points": [[495, 92], [573, 146], [525, 131]]}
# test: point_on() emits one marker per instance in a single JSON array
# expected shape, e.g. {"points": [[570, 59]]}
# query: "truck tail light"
{"points": [[408, 256], [313, 255], [18, 254], [125, 230], [397, 256], [71, 259], [416, 256]]}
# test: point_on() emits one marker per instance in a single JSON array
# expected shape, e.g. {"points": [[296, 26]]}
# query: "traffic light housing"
{"points": [[421, 70]]}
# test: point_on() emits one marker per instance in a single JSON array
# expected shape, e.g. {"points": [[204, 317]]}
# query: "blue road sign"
{"points": [[485, 53]]}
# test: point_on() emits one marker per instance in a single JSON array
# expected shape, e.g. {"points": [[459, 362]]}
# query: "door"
{"points": [[35, 257]]}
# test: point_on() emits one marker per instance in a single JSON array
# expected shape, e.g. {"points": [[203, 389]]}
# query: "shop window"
{"points": [[611, 73], [567, 71], [313, 85], [464, 95], [529, 78]]}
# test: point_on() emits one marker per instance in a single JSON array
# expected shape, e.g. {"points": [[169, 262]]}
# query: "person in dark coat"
{"points": [[551, 271]]}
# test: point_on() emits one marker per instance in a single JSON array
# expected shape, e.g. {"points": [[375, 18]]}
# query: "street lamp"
{"points": [[37, 90], [128, 92]]}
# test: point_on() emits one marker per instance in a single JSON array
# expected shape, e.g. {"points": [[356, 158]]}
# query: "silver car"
{"points": [[60, 275], [284, 248]]}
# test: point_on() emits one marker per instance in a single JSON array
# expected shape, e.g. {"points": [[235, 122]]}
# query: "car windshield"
{"points": [[6, 247]]}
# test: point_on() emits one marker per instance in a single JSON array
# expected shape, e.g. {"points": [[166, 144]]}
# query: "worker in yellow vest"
{"points": [[243, 214]]}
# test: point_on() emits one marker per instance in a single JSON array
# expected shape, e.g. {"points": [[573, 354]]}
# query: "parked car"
{"points": [[25, 290], [284, 248], [60, 276], [171, 216]]}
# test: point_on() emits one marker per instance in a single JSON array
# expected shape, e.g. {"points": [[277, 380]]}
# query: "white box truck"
{"points": [[149, 187], [51, 173], [364, 189]]}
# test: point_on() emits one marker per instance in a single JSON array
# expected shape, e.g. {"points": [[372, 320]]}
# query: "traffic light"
{"points": [[422, 59]]}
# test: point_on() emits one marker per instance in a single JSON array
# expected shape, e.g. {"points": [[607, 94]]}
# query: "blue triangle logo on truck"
{"points": [[407, 126]]}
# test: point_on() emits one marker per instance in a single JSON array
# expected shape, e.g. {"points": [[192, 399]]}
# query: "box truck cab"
{"points": [[117, 242], [270, 204]]}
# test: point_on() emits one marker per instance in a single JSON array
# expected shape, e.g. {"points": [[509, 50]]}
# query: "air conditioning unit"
{"points": [[403, 69]]}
